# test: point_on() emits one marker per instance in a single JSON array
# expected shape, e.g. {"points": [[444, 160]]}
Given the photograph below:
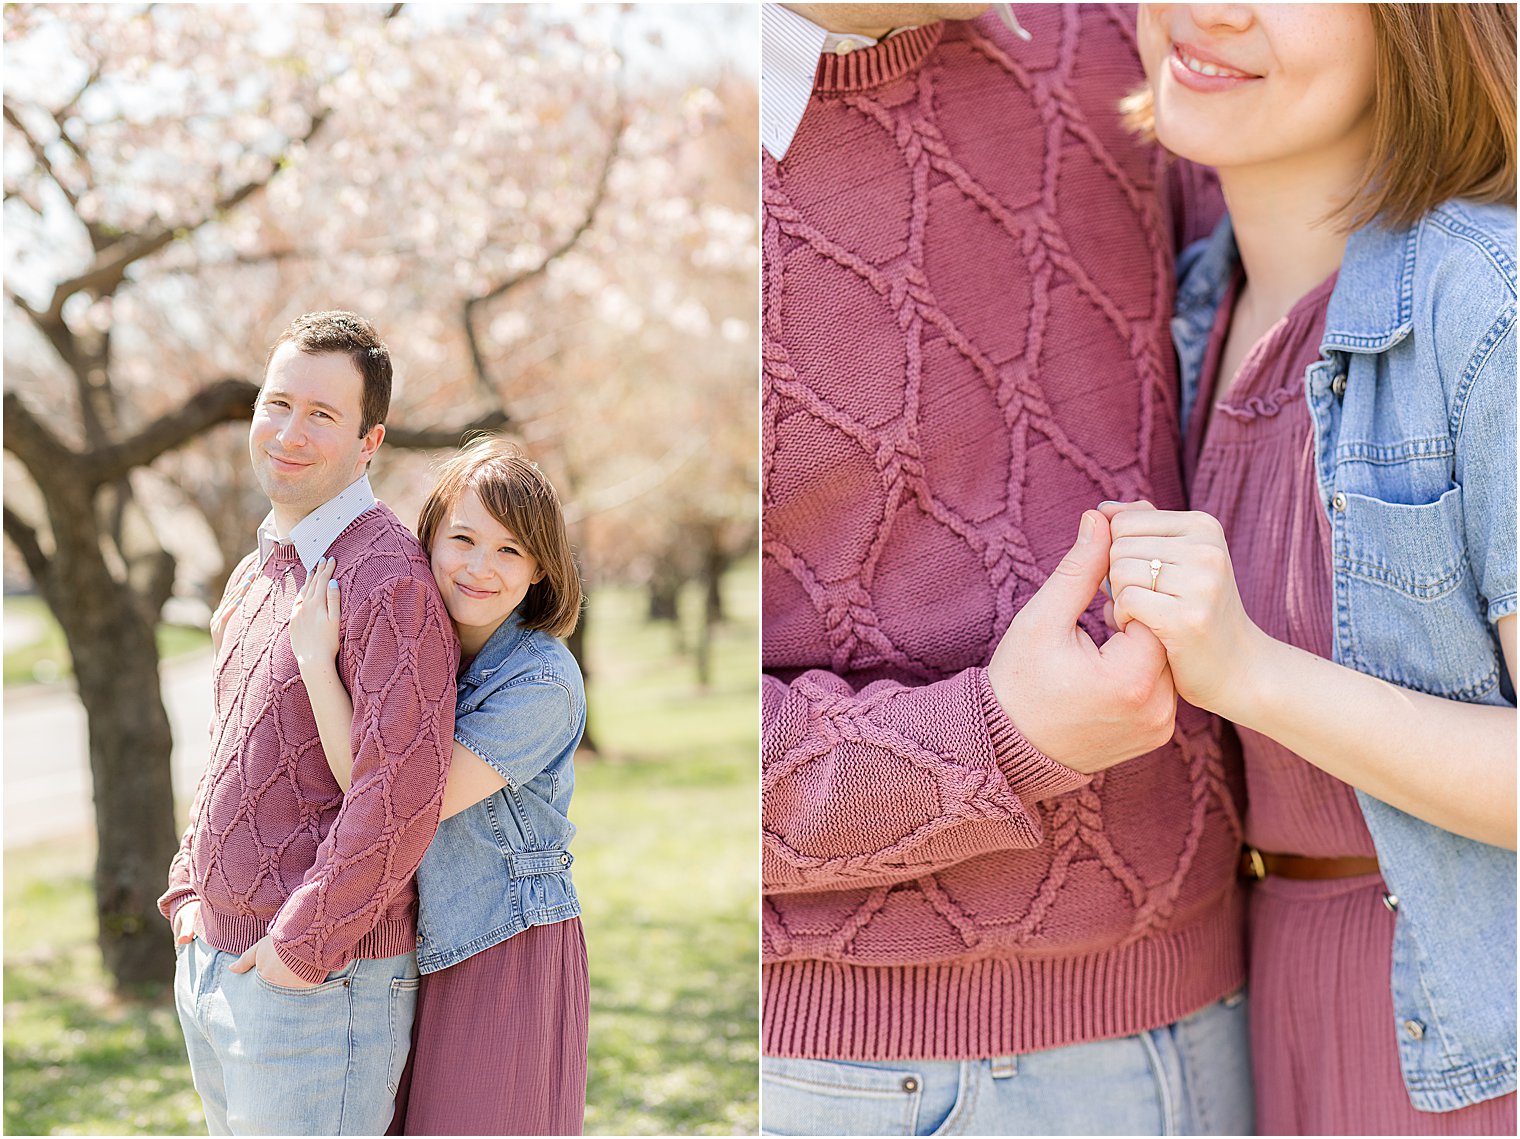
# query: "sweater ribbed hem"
{"points": [[1031, 773], [234, 933], [962, 1010], [871, 67]]}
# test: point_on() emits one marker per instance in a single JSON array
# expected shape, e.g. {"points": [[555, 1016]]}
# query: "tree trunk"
{"points": [[714, 565], [664, 591], [110, 634], [576, 643], [116, 663]]}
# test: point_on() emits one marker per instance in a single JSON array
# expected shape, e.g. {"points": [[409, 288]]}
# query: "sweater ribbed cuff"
{"points": [[1031, 773], [171, 904], [235, 933]]}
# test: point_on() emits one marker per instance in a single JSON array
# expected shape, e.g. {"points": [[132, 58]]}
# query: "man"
{"points": [[292, 903], [978, 915]]}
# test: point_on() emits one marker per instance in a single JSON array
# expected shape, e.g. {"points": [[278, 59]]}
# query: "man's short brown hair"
{"points": [[1443, 111], [349, 334], [519, 496]]}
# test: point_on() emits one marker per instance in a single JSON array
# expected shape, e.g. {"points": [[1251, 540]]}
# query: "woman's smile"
{"points": [[1198, 70]]}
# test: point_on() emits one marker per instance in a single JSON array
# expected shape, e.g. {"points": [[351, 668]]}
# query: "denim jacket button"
{"points": [[1338, 385], [1392, 902], [1415, 1029], [1339, 502], [564, 860]]}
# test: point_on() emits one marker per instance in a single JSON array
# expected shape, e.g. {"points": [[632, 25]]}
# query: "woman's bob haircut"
{"points": [[514, 492], [1443, 111]]}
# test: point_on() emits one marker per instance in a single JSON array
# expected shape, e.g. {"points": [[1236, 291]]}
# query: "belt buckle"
{"points": [[1256, 863]]}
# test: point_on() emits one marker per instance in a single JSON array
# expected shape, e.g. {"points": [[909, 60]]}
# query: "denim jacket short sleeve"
{"points": [[503, 865], [1413, 409], [1486, 464], [522, 726]]}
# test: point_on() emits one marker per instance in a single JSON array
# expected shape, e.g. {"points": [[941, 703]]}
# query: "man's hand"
{"points": [[1083, 706], [263, 957], [184, 922]]}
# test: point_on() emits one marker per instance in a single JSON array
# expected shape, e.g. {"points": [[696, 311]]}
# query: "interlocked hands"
{"points": [[1193, 607], [1090, 707], [1084, 706]]}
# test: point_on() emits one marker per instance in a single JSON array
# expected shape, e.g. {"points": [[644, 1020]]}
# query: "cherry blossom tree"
{"points": [[549, 248]]}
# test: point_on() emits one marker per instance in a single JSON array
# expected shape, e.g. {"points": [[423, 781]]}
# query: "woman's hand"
{"points": [[230, 602], [314, 620], [1190, 602]]}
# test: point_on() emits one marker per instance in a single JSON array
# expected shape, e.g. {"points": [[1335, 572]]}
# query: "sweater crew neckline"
{"points": [[865, 68]]}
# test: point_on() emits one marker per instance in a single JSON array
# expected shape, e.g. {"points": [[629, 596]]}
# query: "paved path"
{"points": [[47, 765]]}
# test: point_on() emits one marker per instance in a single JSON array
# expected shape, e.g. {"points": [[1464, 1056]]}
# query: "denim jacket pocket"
{"points": [[1409, 609]]}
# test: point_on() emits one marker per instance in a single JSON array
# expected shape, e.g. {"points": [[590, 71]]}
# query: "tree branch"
{"points": [[599, 194], [225, 401], [24, 538], [39, 154], [103, 277], [38, 448], [636, 486], [431, 437]]}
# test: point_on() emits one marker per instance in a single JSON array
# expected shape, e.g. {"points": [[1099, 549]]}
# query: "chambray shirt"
{"points": [[503, 864], [1413, 405]]}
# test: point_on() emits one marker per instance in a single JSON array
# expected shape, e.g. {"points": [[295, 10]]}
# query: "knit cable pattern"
{"points": [[966, 290], [274, 845]]}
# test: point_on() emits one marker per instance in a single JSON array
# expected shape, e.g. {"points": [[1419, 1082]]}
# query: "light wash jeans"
{"points": [[268, 1060], [1189, 1078]]}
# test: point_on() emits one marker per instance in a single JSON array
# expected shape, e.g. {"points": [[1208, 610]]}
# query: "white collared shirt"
{"points": [[314, 534], [789, 49]]}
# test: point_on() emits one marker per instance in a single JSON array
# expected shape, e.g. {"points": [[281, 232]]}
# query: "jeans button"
{"points": [[910, 1084]]}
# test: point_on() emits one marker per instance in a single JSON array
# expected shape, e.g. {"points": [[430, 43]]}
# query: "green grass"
{"points": [[47, 658], [665, 867]]}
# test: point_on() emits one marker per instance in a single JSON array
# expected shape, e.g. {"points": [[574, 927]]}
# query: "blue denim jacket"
{"points": [[504, 864], [1413, 404]]}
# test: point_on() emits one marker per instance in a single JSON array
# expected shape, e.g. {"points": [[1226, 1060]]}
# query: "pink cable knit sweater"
{"points": [[967, 280], [273, 844]]}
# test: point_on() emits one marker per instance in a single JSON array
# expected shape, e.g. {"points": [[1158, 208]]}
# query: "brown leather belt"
{"points": [[1259, 864]]}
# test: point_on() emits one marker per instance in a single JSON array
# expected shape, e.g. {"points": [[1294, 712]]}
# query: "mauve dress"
{"points": [[499, 1041], [1324, 1050]]}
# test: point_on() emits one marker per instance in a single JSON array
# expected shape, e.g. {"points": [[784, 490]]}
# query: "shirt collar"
{"points": [[1372, 308], [314, 534], [789, 49], [497, 650]]}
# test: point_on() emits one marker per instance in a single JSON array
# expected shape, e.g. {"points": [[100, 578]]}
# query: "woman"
{"points": [[1367, 158], [499, 1045]]}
